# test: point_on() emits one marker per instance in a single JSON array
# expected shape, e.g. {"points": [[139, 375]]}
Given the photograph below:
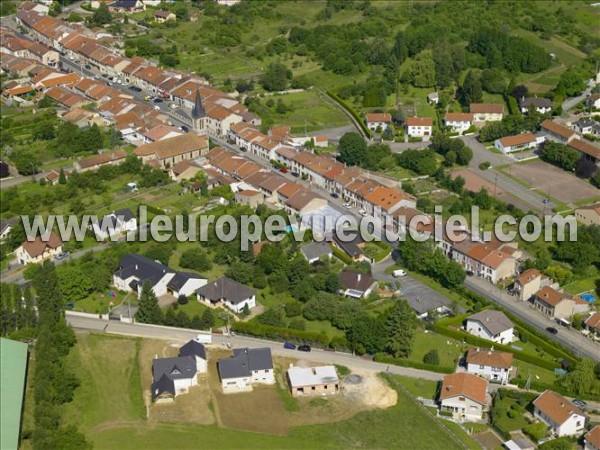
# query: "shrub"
{"points": [[432, 357], [535, 431], [383, 358], [280, 334], [484, 165], [182, 299]]}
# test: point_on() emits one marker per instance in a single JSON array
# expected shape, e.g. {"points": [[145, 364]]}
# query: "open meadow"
{"points": [[110, 409]]}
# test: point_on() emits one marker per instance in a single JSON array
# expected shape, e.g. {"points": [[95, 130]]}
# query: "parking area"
{"points": [[555, 182]]}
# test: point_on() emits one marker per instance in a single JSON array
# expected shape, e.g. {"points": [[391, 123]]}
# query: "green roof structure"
{"points": [[13, 370]]}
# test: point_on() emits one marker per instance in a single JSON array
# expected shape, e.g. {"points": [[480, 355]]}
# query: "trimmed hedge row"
{"points": [[383, 358], [352, 112], [339, 254], [536, 338], [541, 387], [484, 343], [281, 334]]}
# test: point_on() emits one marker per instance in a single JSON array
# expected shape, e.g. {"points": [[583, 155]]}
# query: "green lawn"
{"points": [[462, 435], [376, 252], [504, 421], [99, 303], [449, 350], [195, 308], [582, 286], [109, 410], [307, 112], [537, 373], [323, 326], [418, 388]]}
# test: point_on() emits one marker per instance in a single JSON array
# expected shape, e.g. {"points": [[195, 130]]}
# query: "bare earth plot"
{"points": [[554, 181], [488, 440]]}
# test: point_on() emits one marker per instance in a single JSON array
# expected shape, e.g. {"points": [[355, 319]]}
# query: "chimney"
{"points": [[358, 277]]}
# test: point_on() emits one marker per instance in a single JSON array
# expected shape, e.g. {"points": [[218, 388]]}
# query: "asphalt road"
{"points": [[182, 335], [481, 154], [571, 339]]}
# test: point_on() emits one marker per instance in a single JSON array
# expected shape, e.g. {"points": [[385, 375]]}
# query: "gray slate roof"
{"points": [[163, 385], [421, 305], [126, 214], [225, 289], [193, 348], [244, 361], [142, 268], [180, 278], [314, 250], [351, 248], [493, 321], [175, 368]]}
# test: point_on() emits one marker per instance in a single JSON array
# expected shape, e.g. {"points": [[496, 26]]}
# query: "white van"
{"points": [[399, 273]]}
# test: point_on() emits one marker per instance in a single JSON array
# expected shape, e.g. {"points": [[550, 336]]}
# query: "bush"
{"points": [[535, 431], [352, 112], [339, 254], [293, 309], [484, 165], [432, 357], [182, 299]]}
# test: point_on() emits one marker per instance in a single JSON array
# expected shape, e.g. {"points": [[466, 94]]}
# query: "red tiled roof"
{"points": [[464, 385], [486, 108], [556, 407], [419, 122]]}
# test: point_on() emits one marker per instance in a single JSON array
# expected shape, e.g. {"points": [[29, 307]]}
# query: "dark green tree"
{"points": [[400, 327], [148, 309], [352, 149]]}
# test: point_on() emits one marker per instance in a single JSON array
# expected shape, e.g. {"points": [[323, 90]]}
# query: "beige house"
{"points": [[531, 281], [307, 381], [465, 396], [114, 157], [249, 197], [183, 170], [304, 201], [558, 305], [588, 215], [486, 112], [37, 251], [162, 16], [169, 152]]}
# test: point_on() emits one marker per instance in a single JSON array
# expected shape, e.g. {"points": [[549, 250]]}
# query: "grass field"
{"points": [[307, 112], [585, 285], [449, 350], [109, 409], [418, 388]]}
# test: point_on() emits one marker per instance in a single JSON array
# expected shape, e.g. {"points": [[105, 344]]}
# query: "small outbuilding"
{"points": [[305, 381]]}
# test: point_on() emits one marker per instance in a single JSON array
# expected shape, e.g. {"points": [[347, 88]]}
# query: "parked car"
{"points": [[334, 195], [304, 348], [348, 205], [399, 273], [88, 67], [283, 169], [289, 345], [156, 107], [62, 255], [362, 212], [295, 174], [580, 404], [184, 128], [157, 100], [552, 330], [147, 98]]}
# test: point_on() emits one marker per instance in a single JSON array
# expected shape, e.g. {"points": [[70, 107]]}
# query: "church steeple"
{"points": [[198, 110]]}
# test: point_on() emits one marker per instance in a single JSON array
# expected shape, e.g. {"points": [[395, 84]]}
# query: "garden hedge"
{"points": [[352, 112], [281, 334], [383, 358]]}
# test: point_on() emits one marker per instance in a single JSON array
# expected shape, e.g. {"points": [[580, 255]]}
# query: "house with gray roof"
{"points": [[540, 104], [226, 292], [427, 304], [246, 367], [195, 349], [492, 325], [185, 283], [172, 377], [314, 251], [114, 224], [351, 247], [135, 270]]}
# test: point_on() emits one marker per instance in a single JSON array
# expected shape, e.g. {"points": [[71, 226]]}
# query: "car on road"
{"points": [[399, 273], [88, 67], [147, 98], [362, 212], [580, 404], [60, 256], [552, 330], [157, 100], [295, 174], [184, 129], [334, 195], [134, 89], [289, 345], [156, 107], [470, 273], [104, 75], [348, 205], [304, 348]]}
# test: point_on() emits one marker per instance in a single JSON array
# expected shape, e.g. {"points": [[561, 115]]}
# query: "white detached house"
{"points": [[246, 367], [492, 325], [464, 395], [116, 223], [563, 417], [493, 366]]}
